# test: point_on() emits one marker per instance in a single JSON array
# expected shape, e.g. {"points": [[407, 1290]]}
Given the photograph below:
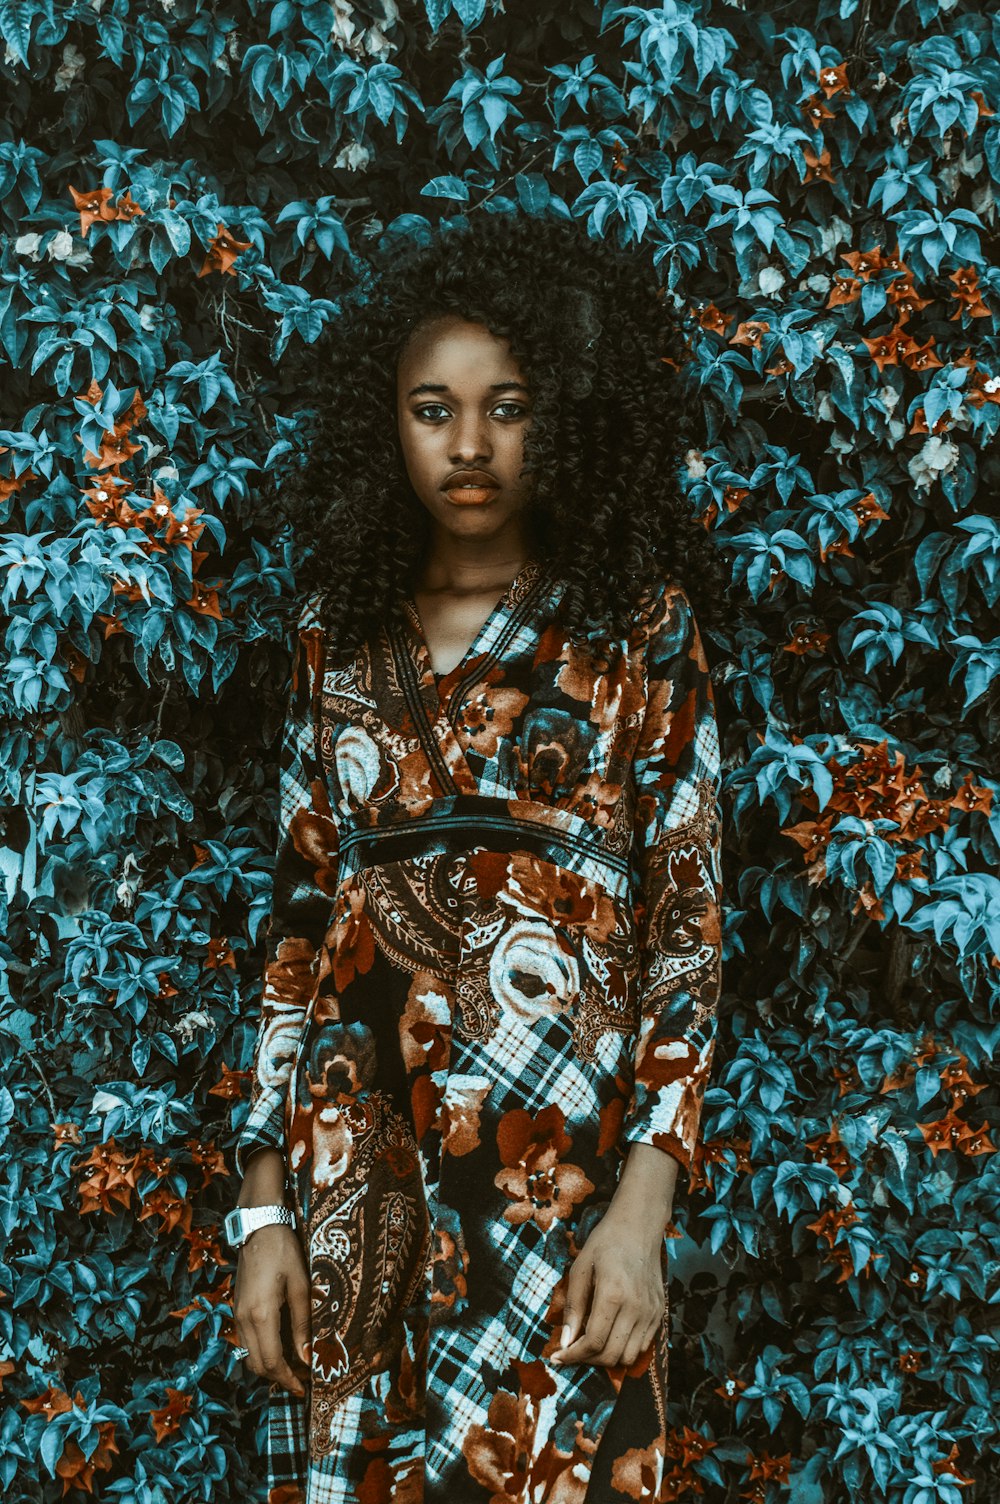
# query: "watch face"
{"points": [[231, 1226]]}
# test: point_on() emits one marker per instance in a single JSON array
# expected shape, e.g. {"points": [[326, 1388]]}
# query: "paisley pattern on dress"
{"points": [[493, 964]]}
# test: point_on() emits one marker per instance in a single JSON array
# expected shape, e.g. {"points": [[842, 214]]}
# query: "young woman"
{"points": [[493, 962]]}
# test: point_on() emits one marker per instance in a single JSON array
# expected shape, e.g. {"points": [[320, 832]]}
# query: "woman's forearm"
{"points": [[264, 1180]]}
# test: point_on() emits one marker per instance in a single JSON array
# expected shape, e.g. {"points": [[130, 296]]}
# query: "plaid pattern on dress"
{"points": [[492, 966]]}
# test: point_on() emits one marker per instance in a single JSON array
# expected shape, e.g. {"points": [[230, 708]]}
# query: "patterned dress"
{"points": [[493, 964]]}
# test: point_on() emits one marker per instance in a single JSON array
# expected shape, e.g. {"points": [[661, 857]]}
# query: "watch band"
{"points": [[244, 1220]]}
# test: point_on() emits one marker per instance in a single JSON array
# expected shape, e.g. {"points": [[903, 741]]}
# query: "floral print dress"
{"points": [[493, 964]]}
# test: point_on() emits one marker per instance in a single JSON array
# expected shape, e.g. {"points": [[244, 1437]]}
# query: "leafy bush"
{"points": [[185, 188]]}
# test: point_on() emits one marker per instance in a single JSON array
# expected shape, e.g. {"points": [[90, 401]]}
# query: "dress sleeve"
{"points": [[303, 897], [677, 867]]}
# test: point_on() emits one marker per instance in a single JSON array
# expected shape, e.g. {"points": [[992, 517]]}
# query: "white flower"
{"points": [[27, 245], [819, 282], [982, 198], [889, 396], [166, 472], [190, 1022], [695, 461], [937, 457], [992, 383], [770, 281], [834, 233], [60, 247], [147, 316], [941, 778], [69, 70], [353, 156]]}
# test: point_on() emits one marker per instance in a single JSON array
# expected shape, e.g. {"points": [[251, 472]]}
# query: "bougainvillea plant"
{"points": [[187, 189]]}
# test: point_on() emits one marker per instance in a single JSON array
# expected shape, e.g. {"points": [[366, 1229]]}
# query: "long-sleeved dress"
{"points": [[493, 964]]}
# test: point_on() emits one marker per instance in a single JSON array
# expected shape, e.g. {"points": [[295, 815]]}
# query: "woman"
{"points": [[493, 963]]}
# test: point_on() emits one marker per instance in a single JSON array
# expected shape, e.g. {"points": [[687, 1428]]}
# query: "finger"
{"points": [[624, 1325], [638, 1342], [274, 1364], [578, 1292], [604, 1309], [299, 1307]]}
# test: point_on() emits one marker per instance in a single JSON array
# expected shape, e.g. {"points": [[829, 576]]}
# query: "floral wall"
{"points": [[185, 190]]}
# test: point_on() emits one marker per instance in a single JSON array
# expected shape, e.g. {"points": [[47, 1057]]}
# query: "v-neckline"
{"points": [[526, 575]]}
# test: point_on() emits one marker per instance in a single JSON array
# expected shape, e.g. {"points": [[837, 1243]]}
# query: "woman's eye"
{"points": [[432, 410]]}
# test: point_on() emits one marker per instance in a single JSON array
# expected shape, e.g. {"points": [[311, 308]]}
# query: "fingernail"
{"points": [[564, 1337]]}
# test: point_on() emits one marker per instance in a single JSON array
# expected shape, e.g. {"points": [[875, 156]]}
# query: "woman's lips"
{"points": [[471, 496]]}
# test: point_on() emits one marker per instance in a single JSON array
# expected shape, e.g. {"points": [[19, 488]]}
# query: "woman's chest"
{"points": [[539, 720]]}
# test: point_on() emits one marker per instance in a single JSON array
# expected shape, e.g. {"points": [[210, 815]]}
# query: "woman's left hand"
{"points": [[615, 1298]]}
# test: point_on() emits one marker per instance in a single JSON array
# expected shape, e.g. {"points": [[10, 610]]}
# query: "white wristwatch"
{"points": [[238, 1224]]}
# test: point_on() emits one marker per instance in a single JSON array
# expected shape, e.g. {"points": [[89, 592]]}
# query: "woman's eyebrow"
{"points": [[496, 386]]}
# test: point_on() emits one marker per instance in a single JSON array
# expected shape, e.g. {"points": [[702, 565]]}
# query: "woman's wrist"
{"points": [[645, 1193]]}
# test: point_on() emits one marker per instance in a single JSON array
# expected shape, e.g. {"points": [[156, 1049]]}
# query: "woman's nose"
{"points": [[471, 441]]}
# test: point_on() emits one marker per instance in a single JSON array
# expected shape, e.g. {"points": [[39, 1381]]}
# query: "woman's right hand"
{"points": [[271, 1296]]}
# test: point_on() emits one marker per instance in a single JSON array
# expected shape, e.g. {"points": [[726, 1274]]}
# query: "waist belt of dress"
{"points": [[460, 822]]}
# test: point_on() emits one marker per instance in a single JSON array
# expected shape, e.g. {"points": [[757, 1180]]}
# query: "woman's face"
{"points": [[462, 405]]}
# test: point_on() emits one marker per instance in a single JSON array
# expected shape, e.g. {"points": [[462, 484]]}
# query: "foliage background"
{"points": [[185, 188]]}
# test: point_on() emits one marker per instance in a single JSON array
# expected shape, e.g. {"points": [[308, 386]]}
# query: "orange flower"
{"points": [[167, 1420], [827, 1146], [96, 206], [205, 601], [77, 1471], [949, 1465], [844, 290], [93, 206], [220, 953], [865, 264], [230, 1084], [171, 1210], [806, 640], [774, 1469], [818, 168], [711, 318], [903, 298], [829, 1223], [833, 79], [867, 509], [750, 332], [972, 797], [815, 110], [223, 250]]}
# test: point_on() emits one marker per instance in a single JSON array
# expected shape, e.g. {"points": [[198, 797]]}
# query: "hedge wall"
{"points": [[185, 188]]}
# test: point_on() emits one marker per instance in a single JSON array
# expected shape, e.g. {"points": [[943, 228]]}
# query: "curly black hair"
{"points": [[612, 414]]}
